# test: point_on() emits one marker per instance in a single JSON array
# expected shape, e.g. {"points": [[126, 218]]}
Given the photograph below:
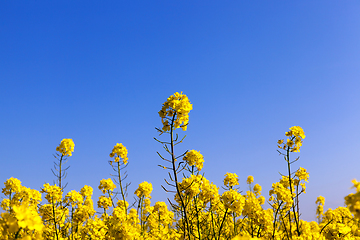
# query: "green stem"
{"points": [[175, 176], [121, 188], [293, 204], [53, 206], [222, 223], [61, 158]]}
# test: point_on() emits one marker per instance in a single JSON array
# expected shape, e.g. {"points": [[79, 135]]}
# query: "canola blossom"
{"points": [[231, 179], [199, 209], [144, 189], [194, 157], [66, 147], [176, 107], [119, 151]]}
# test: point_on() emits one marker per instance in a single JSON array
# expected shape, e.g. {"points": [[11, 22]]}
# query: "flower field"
{"points": [[198, 210]]}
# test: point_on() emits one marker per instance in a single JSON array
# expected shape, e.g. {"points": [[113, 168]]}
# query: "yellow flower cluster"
{"points": [[194, 157], [73, 198], [20, 217], [294, 142], [24, 221], [66, 147], [144, 189], [320, 208], [190, 186], [231, 179], [53, 193], [352, 200], [302, 174], [250, 180], [280, 192], [233, 201], [12, 185], [104, 202], [176, 107], [119, 151], [106, 185], [28, 218], [86, 191]]}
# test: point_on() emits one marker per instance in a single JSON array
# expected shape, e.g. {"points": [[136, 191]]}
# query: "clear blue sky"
{"points": [[98, 72]]}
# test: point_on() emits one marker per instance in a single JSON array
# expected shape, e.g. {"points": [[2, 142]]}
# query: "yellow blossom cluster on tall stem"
{"points": [[65, 149], [197, 211], [120, 152]]}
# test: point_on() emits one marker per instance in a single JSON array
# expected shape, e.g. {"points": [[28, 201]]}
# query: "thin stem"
{"points": [[53, 208], [293, 204], [61, 158], [222, 223], [175, 174], [121, 188]]}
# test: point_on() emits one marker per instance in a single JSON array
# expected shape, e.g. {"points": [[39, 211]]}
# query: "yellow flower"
{"points": [[289, 143], [12, 185], [53, 193], [244, 238], [178, 104], [74, 198], [106, 185], [104, 202], [257, 189], [66, 147], [144, 189], [119, 151], [28, 218], [86, 191], [193, 157], [320, 200], [231, 179], [302, 174], [297, 131], [250, 179]]}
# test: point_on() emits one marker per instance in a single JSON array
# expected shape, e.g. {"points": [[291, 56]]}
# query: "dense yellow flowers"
{"points": [[294, 142], [198, 210], [178, 107], [250, 179], [302, 174], [28, 218], [73, 198], [106, 185], [66, 147], [194, 157], [353, 200], [231, 179], [53, 193], [119, 151], [144, 189]]}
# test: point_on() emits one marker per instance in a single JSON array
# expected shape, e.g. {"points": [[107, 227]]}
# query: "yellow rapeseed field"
{"points": [[197, 211]]}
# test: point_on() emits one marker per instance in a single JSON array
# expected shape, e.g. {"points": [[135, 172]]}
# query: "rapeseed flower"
{"points": [[231, 179], [144, 189], [66, 147], [179, 105], [250, 180], [194, 157], [119, 151], [106, 185]]}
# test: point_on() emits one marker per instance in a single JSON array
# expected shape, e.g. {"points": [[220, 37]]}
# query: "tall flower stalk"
{"points": [[293, 144], [120, 152], [65, 149], [175, 114]]}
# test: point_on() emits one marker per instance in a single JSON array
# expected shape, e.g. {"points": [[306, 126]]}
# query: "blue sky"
{"points": [[98, 72]]}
